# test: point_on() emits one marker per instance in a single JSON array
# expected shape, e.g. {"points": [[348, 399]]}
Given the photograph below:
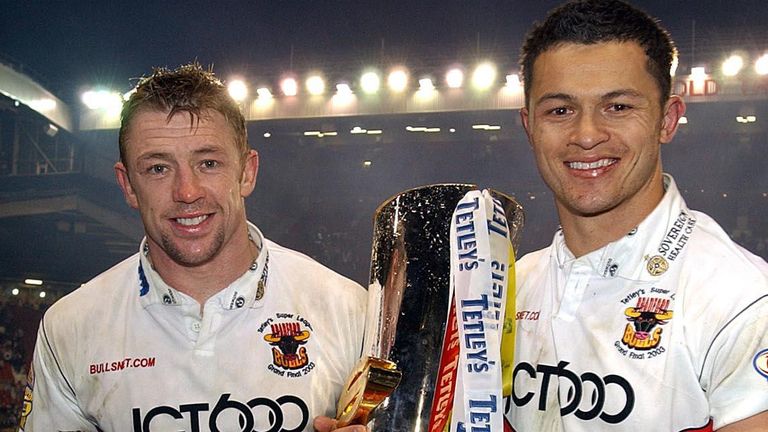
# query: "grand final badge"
{"points": [[288, 334]]}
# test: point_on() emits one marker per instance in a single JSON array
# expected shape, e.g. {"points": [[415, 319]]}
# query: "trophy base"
{"points": [[372, 381]]}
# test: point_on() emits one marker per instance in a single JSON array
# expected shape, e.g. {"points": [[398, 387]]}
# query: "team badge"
{"points": [[643, 332], [657, 265], [761, 363], [288, 334], [26, 408]]}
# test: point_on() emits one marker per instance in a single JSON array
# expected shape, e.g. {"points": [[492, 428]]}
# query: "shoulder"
{"points": [[713, 255], [92, 299], [533, 262], [720, 278], [305, 270]]}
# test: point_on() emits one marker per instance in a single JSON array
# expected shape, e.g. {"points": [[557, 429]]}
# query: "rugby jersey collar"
{"points": [[646, 252], [247, 290]]}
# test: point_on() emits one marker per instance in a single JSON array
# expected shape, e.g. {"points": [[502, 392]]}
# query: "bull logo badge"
{"points": [[643, 332], [287, 350]]}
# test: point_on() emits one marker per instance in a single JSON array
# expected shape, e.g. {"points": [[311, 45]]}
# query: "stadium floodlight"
{"points": [[102, 99], [454, 78], [397, 80], [425, 85], [484, 76], [761, 65], [343, 89], [264, 93], [370, 82], [732, 65], [91, 99], [513, 81], [238, 90], [315, 85], [289, 87], [698, 73]]}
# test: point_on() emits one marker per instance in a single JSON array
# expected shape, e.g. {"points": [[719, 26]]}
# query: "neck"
{"points": [[587, 233], [202, 282]]}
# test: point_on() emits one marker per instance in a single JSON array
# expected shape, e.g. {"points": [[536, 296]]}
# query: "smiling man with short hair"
{"points": [[210, 326], [646, 315]]}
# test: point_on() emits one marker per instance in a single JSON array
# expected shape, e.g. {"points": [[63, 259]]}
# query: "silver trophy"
{"points": [[408, 307]]}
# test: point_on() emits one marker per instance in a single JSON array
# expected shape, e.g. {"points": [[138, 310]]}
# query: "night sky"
{"points": [[70, 45]]}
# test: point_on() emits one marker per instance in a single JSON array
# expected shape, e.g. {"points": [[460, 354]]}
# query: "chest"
{"points": [[241, 369], [602, 350]]}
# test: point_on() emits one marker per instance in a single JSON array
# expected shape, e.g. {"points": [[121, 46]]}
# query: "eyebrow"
{"points": [[622, 93], [154, 155], [167, 156], [555, 96], [608, 96]]}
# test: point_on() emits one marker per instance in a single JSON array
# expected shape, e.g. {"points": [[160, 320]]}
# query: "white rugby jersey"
{"points": [[664, 330], [126, 352]]}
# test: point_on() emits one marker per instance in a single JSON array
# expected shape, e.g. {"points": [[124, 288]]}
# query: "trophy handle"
{"points": [[372, 381]]}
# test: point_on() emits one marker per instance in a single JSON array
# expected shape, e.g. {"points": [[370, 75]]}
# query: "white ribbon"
{"points": [[479, 271]]}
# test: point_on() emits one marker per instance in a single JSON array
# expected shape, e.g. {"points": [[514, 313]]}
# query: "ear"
{"points": [[121, 173], [525, 119], [674, 109], [250, 170]]}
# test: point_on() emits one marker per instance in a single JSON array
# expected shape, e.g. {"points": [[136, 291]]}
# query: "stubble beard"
{"points": [[192, 260]]}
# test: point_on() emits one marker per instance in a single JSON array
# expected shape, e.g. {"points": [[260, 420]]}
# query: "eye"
{"points": [[560, 111], [617, 107], [157, 169], [208, 163]]}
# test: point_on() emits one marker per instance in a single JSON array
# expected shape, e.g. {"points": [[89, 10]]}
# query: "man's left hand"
{"points": [[327, 424]]}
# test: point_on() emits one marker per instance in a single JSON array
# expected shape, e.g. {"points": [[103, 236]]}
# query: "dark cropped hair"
{"points": [[189, 89], [595, 21]]}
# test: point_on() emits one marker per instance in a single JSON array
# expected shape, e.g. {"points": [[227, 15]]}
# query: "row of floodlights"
{"points": [[398, 80], [735, 64]]}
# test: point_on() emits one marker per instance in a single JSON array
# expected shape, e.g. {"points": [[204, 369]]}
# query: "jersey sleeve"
{"points": [[50, 403], [735, 371]]}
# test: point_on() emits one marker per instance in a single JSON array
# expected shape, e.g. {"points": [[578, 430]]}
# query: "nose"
{"points": [[588, 131], [187, 187]]}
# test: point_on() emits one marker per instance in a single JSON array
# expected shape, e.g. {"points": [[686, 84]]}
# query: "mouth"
{"points": [[191, 221], [588, 166]]}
